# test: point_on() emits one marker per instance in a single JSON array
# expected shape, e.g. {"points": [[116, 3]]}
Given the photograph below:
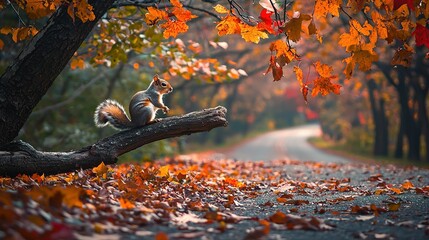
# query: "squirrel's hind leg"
{"points": [[143, 116]]}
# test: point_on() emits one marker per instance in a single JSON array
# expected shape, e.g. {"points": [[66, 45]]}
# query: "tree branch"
{"points": [[21, 158]]}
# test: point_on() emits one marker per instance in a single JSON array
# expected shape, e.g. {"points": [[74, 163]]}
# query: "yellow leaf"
{"points": [[163, 171], [100, 170], [220, 9], [228, 25], [252, 33], [173, 28]]}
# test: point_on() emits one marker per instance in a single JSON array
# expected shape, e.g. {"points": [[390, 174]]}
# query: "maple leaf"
{"points": [[267, 22], [365, 59], [293, 27], [403, 56], [164, 171], [265, 16], [283, 52], [100, 170], [323, 7], [251, 33], [154, 15], [173, 28], [323, 84], [183, 14], [228, 25]]}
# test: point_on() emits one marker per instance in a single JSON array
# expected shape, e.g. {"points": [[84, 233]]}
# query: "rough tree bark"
{"points": [[20, 158], [26, 81]]}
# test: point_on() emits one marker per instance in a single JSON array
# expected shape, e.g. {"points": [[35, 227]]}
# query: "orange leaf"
{"points": [[228, 25], [163, 171], [293, 27], [323, 7], [396, 190], [323, 84], [77, 63], [154, 15], [252, 33], [125, 203], [100, 170], [283, 52], [183, 14], [161, 236], [176, 3], [173, 28], [407, 185], [1, 44]]}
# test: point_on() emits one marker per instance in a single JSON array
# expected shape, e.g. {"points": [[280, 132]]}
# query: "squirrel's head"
{"points": [[163, 86]]}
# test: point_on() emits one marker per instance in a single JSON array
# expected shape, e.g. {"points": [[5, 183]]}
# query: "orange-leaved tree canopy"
{"points": [[286, 24]]}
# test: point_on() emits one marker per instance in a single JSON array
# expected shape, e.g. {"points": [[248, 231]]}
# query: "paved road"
{"points": [[287, 143]]}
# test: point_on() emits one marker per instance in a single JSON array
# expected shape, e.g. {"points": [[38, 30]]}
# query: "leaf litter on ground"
{"points": [[191, 197]]}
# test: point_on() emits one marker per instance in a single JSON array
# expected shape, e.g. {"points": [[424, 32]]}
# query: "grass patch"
{"points": [[361, 155]]}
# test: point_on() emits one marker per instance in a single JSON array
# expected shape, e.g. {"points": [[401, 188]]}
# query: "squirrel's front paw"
{"points": [[166, 109]]}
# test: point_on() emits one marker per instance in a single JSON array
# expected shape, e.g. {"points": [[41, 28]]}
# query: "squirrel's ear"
{"points": [[155, 78]]}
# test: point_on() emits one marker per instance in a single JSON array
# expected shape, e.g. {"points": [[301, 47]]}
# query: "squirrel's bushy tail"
{"points": [[111, 112]]}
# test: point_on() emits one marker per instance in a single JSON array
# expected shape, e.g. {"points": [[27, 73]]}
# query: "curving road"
{"points": [[287, 143]]}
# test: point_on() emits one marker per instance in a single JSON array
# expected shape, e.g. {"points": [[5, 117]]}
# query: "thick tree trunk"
{"points": [[20, 158], [25, 82]]}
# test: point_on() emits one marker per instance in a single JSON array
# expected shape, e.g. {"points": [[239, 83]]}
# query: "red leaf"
{"points": [[266, 16], [422, 35]]}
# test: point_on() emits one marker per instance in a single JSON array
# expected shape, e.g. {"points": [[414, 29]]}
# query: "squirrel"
{"points": [[143, 107]]}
